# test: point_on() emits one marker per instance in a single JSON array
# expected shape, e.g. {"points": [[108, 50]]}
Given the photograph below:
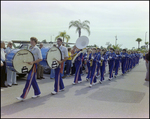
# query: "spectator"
{"points": [[3, 68], [62, 74], [63, 45], [11, 75], [147, 66], [68, 62], [40, 67]]}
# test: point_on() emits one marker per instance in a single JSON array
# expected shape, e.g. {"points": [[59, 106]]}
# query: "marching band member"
{"points": [[108, 54], [106, 60], [73, 68], [93, 65], [59, 85], [134, 59], [31, 79], [85, 61], [117, 62], [130, 61], [89, 56], [98, 64], [138, 53], [127, 62], [78, 65], [102, 62], [123, 61], [111, 63]]}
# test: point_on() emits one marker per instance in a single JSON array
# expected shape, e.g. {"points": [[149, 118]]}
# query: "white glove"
{"points": [[110, 57], [92, 57], [102, 58], [99, 61], [116, 55]]}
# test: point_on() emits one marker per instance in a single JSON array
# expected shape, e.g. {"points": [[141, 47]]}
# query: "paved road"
{"points": [[126, 96]]}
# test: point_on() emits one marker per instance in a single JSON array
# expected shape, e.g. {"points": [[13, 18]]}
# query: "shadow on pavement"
{"points": [[23, 105]]}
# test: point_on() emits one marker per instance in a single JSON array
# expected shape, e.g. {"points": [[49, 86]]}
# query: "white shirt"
{"points": [[36, 52], [64, 51], [2, 54]]}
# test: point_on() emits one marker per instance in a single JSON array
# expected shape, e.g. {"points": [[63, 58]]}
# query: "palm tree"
{"points": [[44, 41], [80, 25], [63, 35], [146, 43], [138, 40], [116, 46], [109, 45]]}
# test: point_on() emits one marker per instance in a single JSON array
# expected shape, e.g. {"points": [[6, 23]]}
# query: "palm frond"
{"points": [[88, 30], [72, 25], [85, 22], [57, 37], [67, 37]]}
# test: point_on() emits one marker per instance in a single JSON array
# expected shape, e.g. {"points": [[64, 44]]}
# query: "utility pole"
{"points": [[51, 37], [116, 40], [145, 41]]}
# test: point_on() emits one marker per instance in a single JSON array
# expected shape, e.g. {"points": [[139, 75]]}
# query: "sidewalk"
{"points": [[124, 96]]}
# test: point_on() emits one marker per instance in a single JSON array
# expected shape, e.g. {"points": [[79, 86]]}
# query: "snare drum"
{"points": [[16, 60], [49, 55]]}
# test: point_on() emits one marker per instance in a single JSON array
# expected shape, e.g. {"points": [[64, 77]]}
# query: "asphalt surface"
{"points": [[125, 96]]}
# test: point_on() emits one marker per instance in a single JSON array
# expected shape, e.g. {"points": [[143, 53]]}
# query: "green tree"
{"points": [[102, 47], [44, 41], [63, 35], [138, 40], [80, 25]]}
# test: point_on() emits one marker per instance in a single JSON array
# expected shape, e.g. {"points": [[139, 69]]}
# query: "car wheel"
{"points": [[47, 71]]}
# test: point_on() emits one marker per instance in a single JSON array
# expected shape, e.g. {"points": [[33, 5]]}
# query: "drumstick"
{"points": [[25, 62]]}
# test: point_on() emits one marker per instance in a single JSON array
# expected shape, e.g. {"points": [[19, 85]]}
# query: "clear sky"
{"points": [[129, 20]]}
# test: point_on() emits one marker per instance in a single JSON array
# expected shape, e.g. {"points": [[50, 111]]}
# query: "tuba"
{"points": [[81, 43]]}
